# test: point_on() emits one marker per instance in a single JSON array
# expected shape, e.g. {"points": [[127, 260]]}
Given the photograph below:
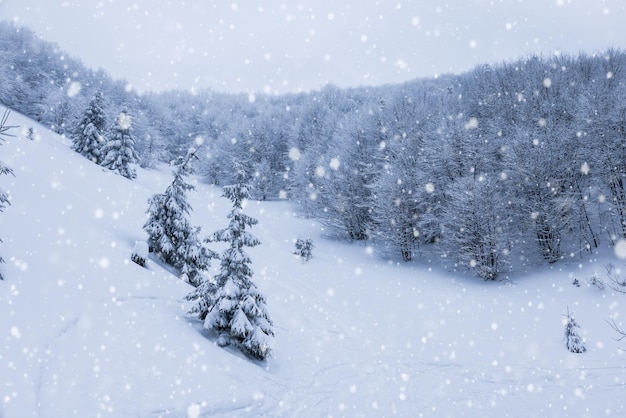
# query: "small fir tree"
{"points": [[170, 233], [573, 340], [4, 198], [119, 151], [88, 136], [230, 304]]}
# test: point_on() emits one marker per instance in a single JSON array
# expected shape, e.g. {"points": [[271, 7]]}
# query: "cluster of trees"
{"points": [[229, 304], [521, 162], [507, 164], [113, 149]]}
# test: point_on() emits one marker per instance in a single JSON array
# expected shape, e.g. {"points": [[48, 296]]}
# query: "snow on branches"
{"points": [[170, 233], [230, 304]]}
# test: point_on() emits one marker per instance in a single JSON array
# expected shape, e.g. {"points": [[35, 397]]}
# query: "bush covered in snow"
{"points": [[596, 281], [304, 248]]}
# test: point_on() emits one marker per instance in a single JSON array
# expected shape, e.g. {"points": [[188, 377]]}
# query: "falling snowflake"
{"points": [[124, 121], [15, 333], [472, 123], [74, 88], [193, 411], [584, 168], [401, 64], [294, 154]]}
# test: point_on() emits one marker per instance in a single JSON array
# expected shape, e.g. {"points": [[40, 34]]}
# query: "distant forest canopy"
{"points": [[504, 166]]}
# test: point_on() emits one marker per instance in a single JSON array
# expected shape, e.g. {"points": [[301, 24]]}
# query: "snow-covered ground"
{"points": [[85, 332]]}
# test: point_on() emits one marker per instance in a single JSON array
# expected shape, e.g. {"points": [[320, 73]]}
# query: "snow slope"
{"points": [[85, 332]]}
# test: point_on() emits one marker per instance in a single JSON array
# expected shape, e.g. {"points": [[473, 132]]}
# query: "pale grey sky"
{"points": [[280, 46]]}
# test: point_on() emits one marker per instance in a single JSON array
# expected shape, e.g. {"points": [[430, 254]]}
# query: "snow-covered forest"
{"points": [[537, 141], [513, 173]]}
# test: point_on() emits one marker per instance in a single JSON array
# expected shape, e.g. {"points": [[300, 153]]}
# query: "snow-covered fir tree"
{"points": [[230, 304], [170, 233], [4, 198], [573, 340], [88, 137], [119, 150]]}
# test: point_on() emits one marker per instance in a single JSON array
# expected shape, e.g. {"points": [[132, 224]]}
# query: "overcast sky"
{"points": [[280, 46]]}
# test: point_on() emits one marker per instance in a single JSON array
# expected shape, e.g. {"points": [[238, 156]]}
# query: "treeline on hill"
{"points": [[507, 164]]}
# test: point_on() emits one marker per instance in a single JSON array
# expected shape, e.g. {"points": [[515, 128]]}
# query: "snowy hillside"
{"points": [[85, 332]]}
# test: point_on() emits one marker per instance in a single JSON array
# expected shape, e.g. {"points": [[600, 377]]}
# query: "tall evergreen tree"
{"points": [[88, 136], [230, 304], [4, 198], [119, 151], [170, 233]]}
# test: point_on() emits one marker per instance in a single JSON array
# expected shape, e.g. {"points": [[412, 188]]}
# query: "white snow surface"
{"points": [[85, 332]]}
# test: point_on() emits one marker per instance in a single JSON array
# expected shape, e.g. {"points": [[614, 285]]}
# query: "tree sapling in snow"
{"points": [[573, 340]]}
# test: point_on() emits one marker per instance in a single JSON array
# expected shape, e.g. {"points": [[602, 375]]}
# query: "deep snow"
{"points": [[85, 332]]}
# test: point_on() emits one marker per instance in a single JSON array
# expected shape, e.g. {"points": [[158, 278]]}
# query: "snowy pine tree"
{"points": [[230, 304], [573, 340], [88, 138], [170, 233], [119, 151], [4, 198]]}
